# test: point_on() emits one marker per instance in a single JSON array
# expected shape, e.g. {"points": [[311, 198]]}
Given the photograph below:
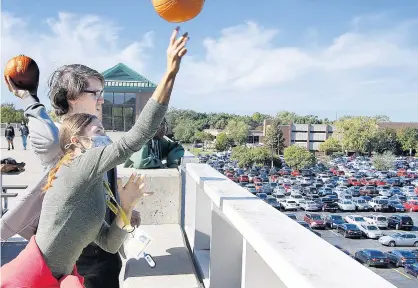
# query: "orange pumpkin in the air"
{"points": [[23, 71], [178, 10]]}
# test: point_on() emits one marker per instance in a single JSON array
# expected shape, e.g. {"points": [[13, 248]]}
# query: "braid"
{"points": [[51, 176]]}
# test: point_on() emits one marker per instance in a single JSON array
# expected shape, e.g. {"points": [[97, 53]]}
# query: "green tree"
{"points": [[357, 133], [203, 137], [274, 139], [383, 161], [237, 131], [53, 116], [248, 157], [298, 157], [223, 142], [185, 130], [382, 118], [331, 145], [9, 113], [408, 138], [385, 140]]}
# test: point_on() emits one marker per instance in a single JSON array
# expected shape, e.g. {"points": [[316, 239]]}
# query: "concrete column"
{"points": [[225, 254], [255, 272], [308, 135]]}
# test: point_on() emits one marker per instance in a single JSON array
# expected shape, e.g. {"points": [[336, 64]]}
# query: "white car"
{"points": [[346, 205], [380, 221], [371, 231], [355, 219], [309, 205], [289, 205], [296, 197]]}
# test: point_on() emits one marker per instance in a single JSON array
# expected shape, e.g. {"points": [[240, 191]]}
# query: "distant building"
{"points": [[253, 137], [125, 94], [310, 136]]}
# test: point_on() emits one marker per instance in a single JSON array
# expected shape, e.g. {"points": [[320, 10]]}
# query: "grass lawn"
{"points": [[196, 151]]}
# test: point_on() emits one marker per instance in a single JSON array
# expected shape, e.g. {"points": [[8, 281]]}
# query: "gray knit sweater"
{"points": [[73, 210]]}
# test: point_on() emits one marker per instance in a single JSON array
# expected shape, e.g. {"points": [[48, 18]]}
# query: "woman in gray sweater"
{"points": [[74, 205]]}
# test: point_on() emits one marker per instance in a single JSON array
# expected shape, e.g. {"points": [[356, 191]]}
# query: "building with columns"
{"points": [[125, 94]]}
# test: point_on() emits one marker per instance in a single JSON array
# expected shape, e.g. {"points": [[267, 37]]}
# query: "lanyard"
{"points": [[116, 209]]}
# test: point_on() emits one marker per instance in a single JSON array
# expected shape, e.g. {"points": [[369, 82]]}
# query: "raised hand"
{"points": [[176, 50], [12, 88], [132, 191]]}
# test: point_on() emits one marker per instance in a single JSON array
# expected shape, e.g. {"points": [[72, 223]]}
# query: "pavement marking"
{"points": [[333, 232], [401, 273]]}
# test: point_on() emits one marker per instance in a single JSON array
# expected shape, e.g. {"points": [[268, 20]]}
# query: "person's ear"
{"points": [[74, 140]]}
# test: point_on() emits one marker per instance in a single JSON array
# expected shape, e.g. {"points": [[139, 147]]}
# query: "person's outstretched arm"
{"points": [[102, 159]]}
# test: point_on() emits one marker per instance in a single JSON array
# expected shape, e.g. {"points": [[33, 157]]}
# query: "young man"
{"points": [[24, 131], [9, 133], [153, 153]]}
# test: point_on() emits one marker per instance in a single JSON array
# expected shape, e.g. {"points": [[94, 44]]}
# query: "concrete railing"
{"points": [[238, 240]]}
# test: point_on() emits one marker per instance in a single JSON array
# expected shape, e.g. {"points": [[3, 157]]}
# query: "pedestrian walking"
{"points": [[9, 133], [24, 131]]}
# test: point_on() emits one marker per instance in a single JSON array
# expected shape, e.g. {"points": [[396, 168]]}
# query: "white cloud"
{"points": [[359, 71], [89, 39], [369, 69]]}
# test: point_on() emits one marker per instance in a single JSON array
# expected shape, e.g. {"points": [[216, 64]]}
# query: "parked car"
{"points": [[355, 219], [349, 231], [412, 269], [272, 201], [380, 221], [314, 220], [371, 231], [289, 205], [411, 205], [400, 222], [343, 250], [306, 225], [399, 239], [292, 216], [372, 257], [346, 205], [395, 206], [330, 207], [401, 257], [332, 221], [308, 205], [361, 204]]}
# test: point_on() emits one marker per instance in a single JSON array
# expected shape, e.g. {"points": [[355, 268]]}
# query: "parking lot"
{"points": [[396, 276]]}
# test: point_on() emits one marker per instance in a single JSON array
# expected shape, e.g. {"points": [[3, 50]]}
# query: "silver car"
{"points": [[399, 239]]}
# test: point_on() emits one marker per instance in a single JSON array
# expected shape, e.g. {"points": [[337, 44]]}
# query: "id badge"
{"points": [[136, 244]]}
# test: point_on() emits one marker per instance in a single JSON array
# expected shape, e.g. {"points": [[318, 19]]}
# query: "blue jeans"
{"points": [[24, 140]]}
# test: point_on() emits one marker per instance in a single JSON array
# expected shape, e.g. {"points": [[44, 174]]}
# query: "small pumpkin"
{"points": [[177, 11], [23, 71]]}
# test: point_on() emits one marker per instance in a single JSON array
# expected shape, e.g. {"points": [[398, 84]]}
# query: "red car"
{"points": [[257, 180], [380, 182], [368, 182], [274, 178], [411, 205], [338, 173], [295, 173], [244, 179], [314, 220], [416, 190], [354, 182]]}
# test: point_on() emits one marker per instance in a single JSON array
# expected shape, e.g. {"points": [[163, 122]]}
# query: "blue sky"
{"points": [[322, 57]]}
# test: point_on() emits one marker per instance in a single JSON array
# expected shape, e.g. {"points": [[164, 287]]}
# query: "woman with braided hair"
{"points": [[76, 194]]}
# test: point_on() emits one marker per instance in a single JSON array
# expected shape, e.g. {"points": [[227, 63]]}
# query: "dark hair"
{"points": [[67, 83]]}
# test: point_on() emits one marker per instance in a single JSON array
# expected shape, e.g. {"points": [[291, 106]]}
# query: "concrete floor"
{"points": [[396, 276]]}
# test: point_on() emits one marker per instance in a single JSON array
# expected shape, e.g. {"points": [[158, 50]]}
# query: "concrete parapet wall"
{"points": [[164, 206]]}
